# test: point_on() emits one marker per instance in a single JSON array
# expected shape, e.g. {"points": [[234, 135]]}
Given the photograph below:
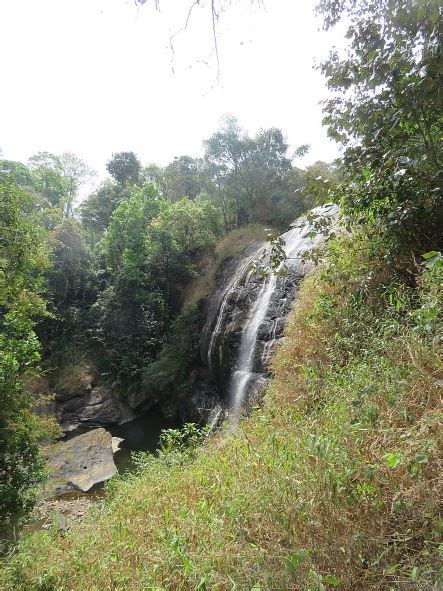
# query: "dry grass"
{"points": [[231, 245], [75, 376]]}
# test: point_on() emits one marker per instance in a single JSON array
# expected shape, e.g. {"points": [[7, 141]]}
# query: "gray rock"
{"points": [[238, 298], [116, 444], [81, 462], [98, 405], [101, 408]]}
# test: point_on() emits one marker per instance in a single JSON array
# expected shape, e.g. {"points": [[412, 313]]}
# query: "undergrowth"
{"points": [[332, 483]]}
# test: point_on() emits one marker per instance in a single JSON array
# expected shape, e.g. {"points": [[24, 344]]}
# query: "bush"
{"points": [[170, 371]]}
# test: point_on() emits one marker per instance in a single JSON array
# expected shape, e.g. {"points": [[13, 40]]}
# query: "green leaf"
{"points": [[294, 560], [430, 255], [392, 460], [331, 580]]}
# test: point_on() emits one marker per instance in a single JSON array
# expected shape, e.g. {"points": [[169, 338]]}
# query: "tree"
{"points": [[250, 175], [97, 209], [125, 168], [77, 173], [149, 253], [386, 112], [23, 258], [182, 176], [17, 171], [131, 314], [70, 290], [48, 178]]}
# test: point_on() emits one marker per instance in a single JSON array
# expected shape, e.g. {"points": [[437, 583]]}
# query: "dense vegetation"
{"points": [[334, 481], [107, 279]]}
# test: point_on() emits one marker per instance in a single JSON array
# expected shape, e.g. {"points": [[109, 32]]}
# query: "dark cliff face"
{"points": [[247, 315], [234, 301]]}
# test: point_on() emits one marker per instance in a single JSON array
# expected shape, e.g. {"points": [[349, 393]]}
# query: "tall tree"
{"points": [[77, 173], [183, 177], [125, 168], [48, 178], [97, 209], [70, 290], [386, 112], [250, 175]]}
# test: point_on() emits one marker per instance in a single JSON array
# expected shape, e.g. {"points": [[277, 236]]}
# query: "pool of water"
{"points": [[142, 434]]}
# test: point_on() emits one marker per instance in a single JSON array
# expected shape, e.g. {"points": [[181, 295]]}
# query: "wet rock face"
{"points": [[203, 403], [224, 351], [81, 462], [248, 313]]}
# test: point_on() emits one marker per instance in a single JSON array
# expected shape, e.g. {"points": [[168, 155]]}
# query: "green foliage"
{"points": [[76, 173], [386, 113], [125, 168], [252, 178], [47, 177], [97, 209], [184, 177], [149, 253], [125, 242], [23, 258], [69, 290], [170, 371], [17, 171], [176, 447], [179, 440]]}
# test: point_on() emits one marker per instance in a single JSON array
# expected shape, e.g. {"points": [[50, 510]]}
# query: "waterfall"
{"points": [[246, 315], [296, 242], [224, 300], [241, 377]]}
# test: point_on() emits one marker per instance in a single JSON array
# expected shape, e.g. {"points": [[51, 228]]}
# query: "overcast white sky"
{"points": [[96, 76]]}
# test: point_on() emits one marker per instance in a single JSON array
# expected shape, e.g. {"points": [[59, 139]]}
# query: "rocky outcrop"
{"points": [[222, 349], [81, 462], [247, 314], [81, 401]]}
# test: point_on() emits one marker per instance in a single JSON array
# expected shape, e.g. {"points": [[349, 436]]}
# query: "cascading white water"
{"points": [[241, 377], [239, 272], [296, 242]]}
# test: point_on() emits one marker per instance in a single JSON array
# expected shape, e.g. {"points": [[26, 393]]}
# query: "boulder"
{"points": [[98, 405], [81, 462], [101, 407]]}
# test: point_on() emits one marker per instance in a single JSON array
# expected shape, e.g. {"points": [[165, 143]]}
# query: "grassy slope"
{"points": [[231, 245], [333, 483]]}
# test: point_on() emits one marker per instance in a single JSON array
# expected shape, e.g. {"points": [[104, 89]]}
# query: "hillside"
{"points": [[223, 372], [332, 484]]}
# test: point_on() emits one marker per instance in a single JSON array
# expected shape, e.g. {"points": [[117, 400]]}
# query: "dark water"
{"points": [[142, 434]]}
